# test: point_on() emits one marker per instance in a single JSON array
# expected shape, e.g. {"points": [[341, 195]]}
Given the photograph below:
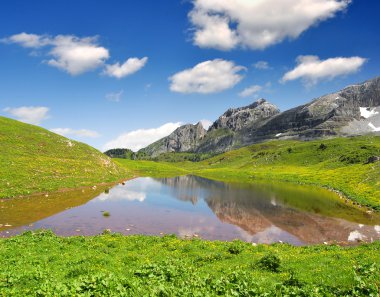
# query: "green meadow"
{"points": [[42, 264]]}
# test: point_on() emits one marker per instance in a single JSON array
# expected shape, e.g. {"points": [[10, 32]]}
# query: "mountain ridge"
{"points": [[354, 110]]}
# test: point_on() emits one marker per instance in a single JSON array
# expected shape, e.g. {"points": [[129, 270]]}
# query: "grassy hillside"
{"points": [[340, 163], [33, 160], [114, 265]]}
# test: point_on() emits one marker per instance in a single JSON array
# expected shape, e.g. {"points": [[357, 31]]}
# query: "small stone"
{"points": [[128, 229], [78, 230], [325, 243]]}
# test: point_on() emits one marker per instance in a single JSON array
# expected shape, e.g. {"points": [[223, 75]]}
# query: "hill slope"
{"points": [[33, 159]]}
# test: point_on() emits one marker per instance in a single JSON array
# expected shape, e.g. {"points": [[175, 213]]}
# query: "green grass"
{"points": [[34, 160], [339, 164], [42, 264], [152, 169]]}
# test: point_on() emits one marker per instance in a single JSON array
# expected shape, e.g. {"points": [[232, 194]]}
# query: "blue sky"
{"points": [[124, 73]]}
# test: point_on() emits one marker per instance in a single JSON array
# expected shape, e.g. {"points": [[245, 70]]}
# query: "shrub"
{"points": [[270, 262], [236, 247]]}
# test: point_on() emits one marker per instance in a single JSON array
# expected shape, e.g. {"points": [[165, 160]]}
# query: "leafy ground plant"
{"points": [[43, 264]]}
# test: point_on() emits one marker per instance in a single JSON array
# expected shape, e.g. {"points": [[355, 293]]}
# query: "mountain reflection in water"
{"points": [[191, 205]]}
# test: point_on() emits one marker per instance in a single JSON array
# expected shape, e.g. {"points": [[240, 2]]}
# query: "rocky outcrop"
{"points": [[183, 139], [220, 137], [328, 115], [236, 119]]}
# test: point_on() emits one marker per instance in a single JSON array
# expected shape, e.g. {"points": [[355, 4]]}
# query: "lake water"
{"points": [[194, 206]]}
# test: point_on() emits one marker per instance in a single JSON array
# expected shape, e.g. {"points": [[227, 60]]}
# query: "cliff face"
{"points": [[328, 115], [355, 110], [220, 136], [236, 119], [184, 138]]}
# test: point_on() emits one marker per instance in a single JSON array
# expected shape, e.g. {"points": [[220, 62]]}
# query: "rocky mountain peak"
{"points": [[351, 111], [183, 139], [236, 119]]}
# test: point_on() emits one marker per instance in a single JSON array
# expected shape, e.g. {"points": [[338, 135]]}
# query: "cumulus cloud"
{"points": [[250, 91], [75, 55], [129, 67], [29, 114], [140, 138], [311, 69], [79, 133], [69, 53], [28, 40], [262, 65], [226, 24], [207, 77], [114, 97]]}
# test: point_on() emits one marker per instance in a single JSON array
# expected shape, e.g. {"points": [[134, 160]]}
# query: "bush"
{"points": [[269, 262], [236, 247]]}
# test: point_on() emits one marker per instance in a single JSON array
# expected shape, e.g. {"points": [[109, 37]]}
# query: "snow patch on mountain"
{"points": [[367, 112]]}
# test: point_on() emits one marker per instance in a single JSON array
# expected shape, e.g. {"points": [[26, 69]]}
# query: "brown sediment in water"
{"points": [[24, 210], [65, 190]]}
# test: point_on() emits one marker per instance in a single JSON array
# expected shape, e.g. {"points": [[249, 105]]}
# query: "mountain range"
{"points": [[355, 110]]}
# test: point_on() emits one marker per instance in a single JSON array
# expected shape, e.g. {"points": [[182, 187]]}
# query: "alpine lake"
{"points": [[191, 206]]}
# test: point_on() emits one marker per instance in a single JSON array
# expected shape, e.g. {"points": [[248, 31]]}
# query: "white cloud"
{"points": [[114, 97], [75, 55], [311, 69], [129, 67], [70, 53], [27, 40], [262, 65], [140, 138], [206, 123], [79, 133], [226, 24], [207, 77], [29, 114], [250, 91]]}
